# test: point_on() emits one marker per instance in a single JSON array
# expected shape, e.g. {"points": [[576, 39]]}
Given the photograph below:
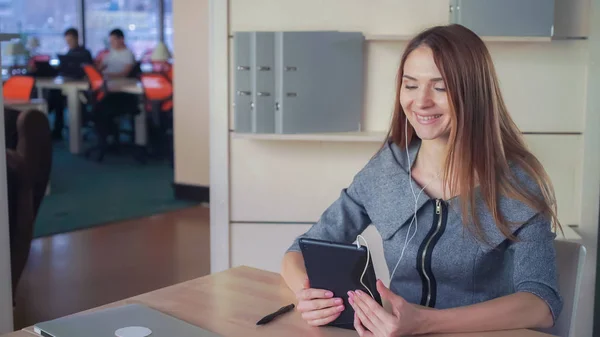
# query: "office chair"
{"points": [[29, 161], [170, 74], [100, 56], [570, 257], [41, 58], [158, 104], [106, 108], [18, 88]]}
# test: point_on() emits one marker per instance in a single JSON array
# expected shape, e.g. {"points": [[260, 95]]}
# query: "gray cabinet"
{"points": [[298, 82], [534, 18]]}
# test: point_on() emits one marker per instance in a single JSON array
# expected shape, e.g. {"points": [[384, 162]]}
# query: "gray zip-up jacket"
{"points": [[443, 266]]}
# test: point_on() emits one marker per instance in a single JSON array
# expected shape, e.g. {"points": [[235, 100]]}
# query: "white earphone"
{"points": [[413, 220], [416, 198], [366, 264]]}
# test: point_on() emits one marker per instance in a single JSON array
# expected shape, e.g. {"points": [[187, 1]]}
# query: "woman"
{"points": [[452, 148]]}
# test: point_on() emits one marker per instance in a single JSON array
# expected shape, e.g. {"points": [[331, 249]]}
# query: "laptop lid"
{"points": [[44, 69], [133, 320], [70, 65]]}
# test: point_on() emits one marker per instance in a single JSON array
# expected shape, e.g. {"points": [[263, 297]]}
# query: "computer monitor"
{"points": [[44, 69]]}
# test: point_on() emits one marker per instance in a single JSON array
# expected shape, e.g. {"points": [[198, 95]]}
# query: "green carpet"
{"points": [[86, 194]]}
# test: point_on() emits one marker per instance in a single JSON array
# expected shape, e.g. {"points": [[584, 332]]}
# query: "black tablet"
{"points": [[338, 267]]}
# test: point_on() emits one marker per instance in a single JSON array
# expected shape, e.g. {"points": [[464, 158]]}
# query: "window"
{"points": [[169, 24], [47, 22], [137, 18]]}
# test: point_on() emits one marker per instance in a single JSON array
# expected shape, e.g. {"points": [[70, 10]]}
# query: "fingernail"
{"points": [[338, 301], [350, 294], [340, 308], [351, 301], [329, 294], [359, 293]]}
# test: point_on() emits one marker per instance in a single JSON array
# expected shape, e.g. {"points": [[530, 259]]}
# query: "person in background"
{"points": [[120, 60], [72, 40], [56, 101]]}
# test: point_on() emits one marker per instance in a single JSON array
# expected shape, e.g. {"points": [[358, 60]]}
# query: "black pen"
{"points": [[272, 316]]}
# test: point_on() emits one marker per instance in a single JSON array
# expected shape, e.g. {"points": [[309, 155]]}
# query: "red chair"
{"points": [[147, 56], [106, 109], [101, 55], [95, 96], [18, 88], [170, 74], [98, 89], [161, 67], [158, 103], [41, 58]]}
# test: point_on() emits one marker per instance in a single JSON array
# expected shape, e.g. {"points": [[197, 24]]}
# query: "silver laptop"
{"points": [[132, 320]]}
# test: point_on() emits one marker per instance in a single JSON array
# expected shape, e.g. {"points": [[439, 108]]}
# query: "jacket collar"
{"points": [[396, 167]]}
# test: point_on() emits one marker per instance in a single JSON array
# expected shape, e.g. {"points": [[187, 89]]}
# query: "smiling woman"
{"points": [[465, 211]]}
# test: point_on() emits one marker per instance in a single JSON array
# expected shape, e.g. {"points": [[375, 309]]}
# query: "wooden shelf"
{"points": [[570, 234], [366, 136], [392, 37]]}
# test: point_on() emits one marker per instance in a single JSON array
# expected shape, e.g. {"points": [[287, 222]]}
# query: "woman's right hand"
{"points": [[318, 307]]}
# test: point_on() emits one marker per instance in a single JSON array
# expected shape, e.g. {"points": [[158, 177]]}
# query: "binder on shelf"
{"points": [[298, 82], [243, 84]]}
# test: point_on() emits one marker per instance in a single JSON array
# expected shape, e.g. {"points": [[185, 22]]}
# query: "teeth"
{"points": [[428, 118]]}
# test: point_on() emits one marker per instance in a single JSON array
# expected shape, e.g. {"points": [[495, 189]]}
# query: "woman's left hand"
{"points": [[371, 319]]}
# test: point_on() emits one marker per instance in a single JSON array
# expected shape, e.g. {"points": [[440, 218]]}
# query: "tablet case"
{"points": [[337, 267]]}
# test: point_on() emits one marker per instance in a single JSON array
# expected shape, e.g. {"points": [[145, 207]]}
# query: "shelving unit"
{"points": [[393, 37], [365, 136]]}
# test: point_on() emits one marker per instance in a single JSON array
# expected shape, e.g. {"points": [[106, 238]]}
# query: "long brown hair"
{"points": [[483, 137]]}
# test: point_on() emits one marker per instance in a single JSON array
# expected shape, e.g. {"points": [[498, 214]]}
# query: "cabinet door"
{"points": [[505, 17], [243, 82], [320, 79]]}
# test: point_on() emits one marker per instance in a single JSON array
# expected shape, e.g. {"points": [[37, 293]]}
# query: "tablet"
{"points": [[337, 267]]}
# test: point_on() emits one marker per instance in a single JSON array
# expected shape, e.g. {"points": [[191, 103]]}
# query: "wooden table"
{"points": [[231, 302], [71, 88], [21, 333]]}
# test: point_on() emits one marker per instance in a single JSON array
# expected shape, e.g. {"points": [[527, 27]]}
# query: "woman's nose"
{"points": [[423, 98]]}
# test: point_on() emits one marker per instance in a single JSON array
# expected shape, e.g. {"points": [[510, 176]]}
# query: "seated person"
{"points": [[119, 62], [466, 212], [56, 101]]}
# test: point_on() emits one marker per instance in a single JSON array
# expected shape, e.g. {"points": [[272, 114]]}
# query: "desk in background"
{"points": [[71, 89], [231, 302], [23, 105]]}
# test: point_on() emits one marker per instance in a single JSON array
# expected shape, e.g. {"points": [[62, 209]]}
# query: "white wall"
{"points": [[6, 313], [190, 24], [590, 177], [271, 190]]}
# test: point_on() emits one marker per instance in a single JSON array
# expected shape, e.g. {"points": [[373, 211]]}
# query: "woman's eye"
{"points": [[410, 87], [440, 89]]}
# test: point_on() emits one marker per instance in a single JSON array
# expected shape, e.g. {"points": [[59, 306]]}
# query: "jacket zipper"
{"points": [[427, 248]]}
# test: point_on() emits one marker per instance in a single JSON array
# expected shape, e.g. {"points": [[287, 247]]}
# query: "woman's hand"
{"points": [[318, 307], [371, 319]]}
